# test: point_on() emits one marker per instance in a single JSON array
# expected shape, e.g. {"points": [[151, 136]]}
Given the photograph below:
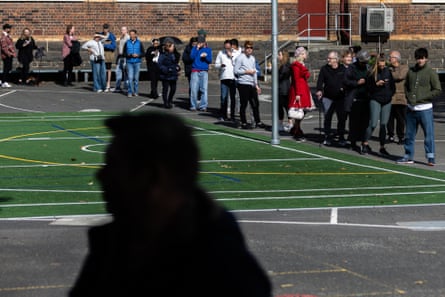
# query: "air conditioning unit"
{"points": [[379, 19]]}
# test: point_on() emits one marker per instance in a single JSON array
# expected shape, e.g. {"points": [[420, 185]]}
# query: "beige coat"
{"points": [[399, 75]]}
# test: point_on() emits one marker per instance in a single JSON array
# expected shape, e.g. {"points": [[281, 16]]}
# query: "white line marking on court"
{"points": [[412, 228], [17, 108], [325, 157], [334, 215], [56, 138], [51, 165], [86, 148], [327, 189], [52, 204], [323, 196], [47, 191], [260, 160], [143, 103]]}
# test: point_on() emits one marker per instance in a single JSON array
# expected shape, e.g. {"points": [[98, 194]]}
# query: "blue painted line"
{"points": [[227, 177], [78, 134]]}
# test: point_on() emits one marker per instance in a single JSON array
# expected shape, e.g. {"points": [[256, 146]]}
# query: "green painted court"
{"points": [[48, 164]]}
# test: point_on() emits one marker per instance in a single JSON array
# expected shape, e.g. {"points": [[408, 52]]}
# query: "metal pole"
{"points": [[275, 133]]}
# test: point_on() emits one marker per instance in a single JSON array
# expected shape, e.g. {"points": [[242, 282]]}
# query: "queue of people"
{"points": [[383, 93]]}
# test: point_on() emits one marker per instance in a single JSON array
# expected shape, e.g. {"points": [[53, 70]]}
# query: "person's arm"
{"points": [[436, 88], [219, 62], [320, 83]]}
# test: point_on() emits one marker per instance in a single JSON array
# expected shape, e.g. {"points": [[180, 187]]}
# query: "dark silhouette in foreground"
{"points": [[167, 237]]}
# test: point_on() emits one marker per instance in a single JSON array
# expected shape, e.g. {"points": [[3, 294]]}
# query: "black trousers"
{"points": [[168, 91], [153, 74], [248, 95], [398, 115], [283, 105], [230, 92], [7, 67], [68, 66], [358, 121]]}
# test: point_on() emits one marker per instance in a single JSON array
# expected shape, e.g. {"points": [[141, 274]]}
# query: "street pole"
{"points": [[275, 125]]}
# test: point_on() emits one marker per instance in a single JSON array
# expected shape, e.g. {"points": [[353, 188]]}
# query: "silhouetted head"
{"points": [[151, 156]]}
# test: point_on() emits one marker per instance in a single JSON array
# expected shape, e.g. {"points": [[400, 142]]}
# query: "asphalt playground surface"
{"points": [[366, 251]]}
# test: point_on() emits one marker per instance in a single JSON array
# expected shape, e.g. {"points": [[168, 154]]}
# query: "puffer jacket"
{"points": [[134, 47]]}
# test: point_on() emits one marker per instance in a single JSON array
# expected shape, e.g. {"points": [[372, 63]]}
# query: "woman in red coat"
{"points": [[299, 93]]}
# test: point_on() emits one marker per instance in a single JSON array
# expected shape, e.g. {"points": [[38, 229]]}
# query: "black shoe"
{"points": [[391, 139], [383, 152], [260, 125], [401, 141], [365, 149], [244, 126]]}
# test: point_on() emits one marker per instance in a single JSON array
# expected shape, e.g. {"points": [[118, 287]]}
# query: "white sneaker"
{"points": [[6, 85], [99, 91]]}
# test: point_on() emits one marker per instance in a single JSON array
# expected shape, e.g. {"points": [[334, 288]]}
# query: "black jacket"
{"points": [[382, 94], [187, 60], [284, 75], [169, 65], [25, 48], [201, 253], [330, 81]]}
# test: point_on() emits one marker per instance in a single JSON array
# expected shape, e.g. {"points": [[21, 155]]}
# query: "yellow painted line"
{"points": [[28, 288], [46, 133], [49, 132], [296, 173]]}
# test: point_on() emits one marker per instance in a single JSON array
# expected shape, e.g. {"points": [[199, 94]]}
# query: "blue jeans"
{"points": [[228, 87], [121, 73], [133, 77], [99, 75], [426, 120], [198, 83]]}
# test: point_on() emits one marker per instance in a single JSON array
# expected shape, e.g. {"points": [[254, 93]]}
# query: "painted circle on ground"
{"points": [[90, 148]]}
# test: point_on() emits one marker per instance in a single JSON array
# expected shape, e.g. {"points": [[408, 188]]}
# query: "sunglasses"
{"points": [[247, 47]]}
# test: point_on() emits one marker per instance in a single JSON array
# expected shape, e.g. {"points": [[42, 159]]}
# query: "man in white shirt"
{"points": [[96, 52], [225, 63], [121, 73]]}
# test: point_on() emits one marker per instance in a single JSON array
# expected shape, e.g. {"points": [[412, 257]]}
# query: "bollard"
{"points": [[85, 76]]}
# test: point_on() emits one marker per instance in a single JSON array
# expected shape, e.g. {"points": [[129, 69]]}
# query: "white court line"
{"points": [[51, 204], [325, 157], [48, 191], [260, 160], [16, 108], [323, 196], [334, 215], [402, 227], [51, 165], [143, 103]]}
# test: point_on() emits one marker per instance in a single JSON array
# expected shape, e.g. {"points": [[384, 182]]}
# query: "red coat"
{"points": [[299, 86]]}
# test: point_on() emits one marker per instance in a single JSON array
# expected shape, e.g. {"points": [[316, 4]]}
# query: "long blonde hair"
{"points": [[375, 67]]}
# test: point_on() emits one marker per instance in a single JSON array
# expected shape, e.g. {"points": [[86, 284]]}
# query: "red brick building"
{"points": [[245, 19]]}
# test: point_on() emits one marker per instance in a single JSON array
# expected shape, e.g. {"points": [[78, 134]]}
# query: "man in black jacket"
{"points": [[330, 91], [168, 237], [151, 57]]}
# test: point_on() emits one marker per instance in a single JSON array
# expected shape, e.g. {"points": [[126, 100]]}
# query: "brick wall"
{"points": [[48, 20]]}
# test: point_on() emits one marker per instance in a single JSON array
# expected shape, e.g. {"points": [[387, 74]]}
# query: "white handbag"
{"points": [[295, 113]]}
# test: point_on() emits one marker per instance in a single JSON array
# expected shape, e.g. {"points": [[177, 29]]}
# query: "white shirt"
{"points": [[96, 48], [225, 72]]}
